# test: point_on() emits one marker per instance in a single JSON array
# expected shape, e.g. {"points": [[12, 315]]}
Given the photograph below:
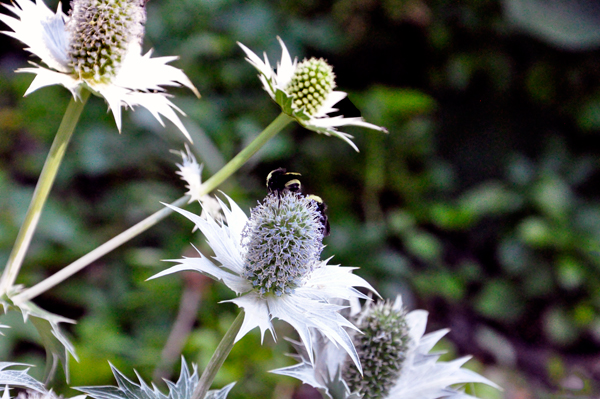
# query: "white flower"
{"points": [[304, 91], [294, 285], [98, 47], [421, 375], [191, 172]]}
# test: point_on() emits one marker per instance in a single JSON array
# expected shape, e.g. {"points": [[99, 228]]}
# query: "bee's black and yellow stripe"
{"points": [[322, 208], [279, 181]]}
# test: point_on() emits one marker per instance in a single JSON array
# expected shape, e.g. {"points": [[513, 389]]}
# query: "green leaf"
{"points": [[284, 101]]}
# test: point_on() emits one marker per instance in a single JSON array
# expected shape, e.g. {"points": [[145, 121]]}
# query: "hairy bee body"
{"points": [[280, 181], [322, 207]]}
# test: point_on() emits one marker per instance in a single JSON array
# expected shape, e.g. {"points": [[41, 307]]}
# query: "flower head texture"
{"points": [[271, 261], [305, 92], [97, 46], [395, 357]]}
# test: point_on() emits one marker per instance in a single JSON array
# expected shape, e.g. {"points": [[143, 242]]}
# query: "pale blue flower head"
{"points": [[272, 262], [395, 357], [283, 243]]}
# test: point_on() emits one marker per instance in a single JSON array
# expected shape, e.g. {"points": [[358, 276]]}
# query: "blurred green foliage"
{"points": [[481, 205]]}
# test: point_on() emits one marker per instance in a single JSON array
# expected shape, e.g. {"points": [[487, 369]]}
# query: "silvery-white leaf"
{"points": [[219, 393], [18, 378], [55, 343], [127, 389]]}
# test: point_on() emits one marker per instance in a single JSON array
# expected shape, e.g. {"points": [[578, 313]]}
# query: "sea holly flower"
{"points": [[272, 261], [305, 92], [395, 357], [98, 47]]}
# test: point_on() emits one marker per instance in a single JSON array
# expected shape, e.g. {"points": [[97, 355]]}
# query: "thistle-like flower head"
{"points": [[305, 91], [395, 357], [271, 260], [382, 348], [98, 47], [282, 242]]}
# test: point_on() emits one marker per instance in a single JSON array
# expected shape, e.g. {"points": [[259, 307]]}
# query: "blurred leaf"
{"points": [[558, 326], [569, 24], [584, 315], [491, 198], [499, 300], [554, 197], [588, 115], [536, 232], [570, 273], [423, 245], [442, 284], [451, 217], [383, 103], [541, 83]]}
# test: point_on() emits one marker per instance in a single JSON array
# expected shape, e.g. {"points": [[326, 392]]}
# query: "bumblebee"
{"points": [[322, 208], [280, 181]]}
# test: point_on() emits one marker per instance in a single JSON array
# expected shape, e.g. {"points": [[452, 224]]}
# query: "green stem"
{"points": [[218, 358], [240, 159], [96, 254], [42, 189], [232, 166]]}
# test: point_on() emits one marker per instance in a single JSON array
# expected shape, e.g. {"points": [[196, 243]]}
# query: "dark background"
{"points": [[480, 206]]}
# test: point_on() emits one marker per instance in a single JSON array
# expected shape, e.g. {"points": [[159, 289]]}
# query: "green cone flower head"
{"points": [[382, 350], [305, 91], [283, 242], [311, 84], [101, 31], [98, 46]]}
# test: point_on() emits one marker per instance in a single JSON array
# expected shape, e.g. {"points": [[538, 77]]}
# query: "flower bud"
{"points": [[311, 84]]}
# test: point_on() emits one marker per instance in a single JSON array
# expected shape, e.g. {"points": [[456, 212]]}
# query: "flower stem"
{"points": [[42, 189], [96, 254], [218, 358], [240, 159], [232, 166]]}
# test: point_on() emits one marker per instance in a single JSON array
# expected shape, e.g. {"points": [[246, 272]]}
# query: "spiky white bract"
{"points": [[191, 172], [283, 84], [55, 341], [422, 375], [78, 55], [18, 378], [308, 306], [127, 389]]}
